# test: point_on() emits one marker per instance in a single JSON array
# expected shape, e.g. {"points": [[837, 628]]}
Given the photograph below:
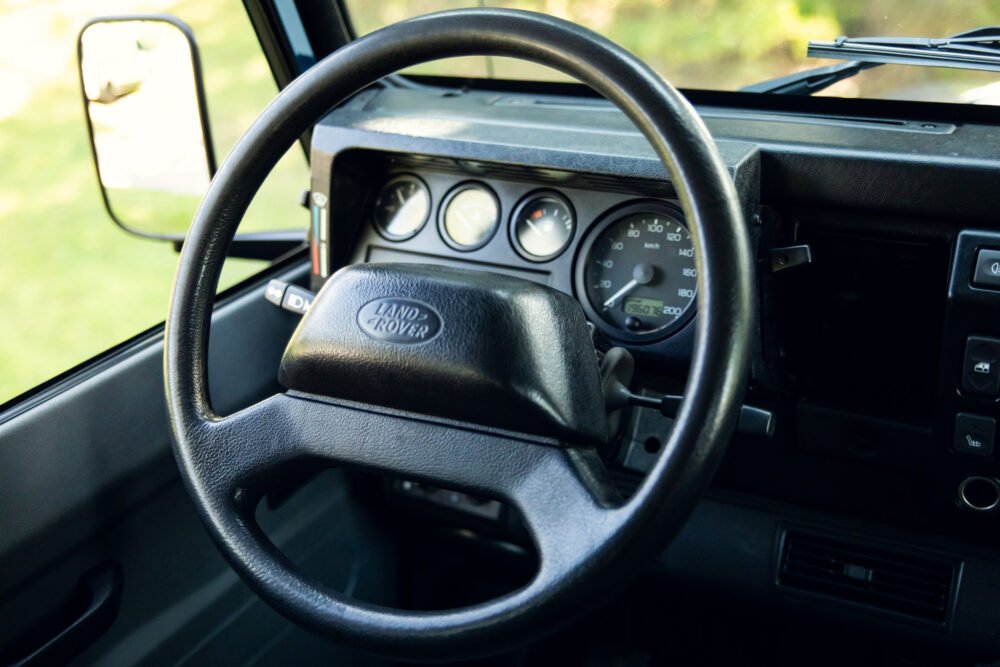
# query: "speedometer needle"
{"points": [[642, 274], [629, 286]]}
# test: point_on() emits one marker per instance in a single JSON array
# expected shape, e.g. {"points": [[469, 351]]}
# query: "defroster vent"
{"points": [[906, 583]]}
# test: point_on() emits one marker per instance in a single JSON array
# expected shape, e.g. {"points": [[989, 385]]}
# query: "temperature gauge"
{"points": [[542, 226]]}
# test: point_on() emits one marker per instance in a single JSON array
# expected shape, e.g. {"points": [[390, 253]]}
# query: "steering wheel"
{"points": [[386, 395]]}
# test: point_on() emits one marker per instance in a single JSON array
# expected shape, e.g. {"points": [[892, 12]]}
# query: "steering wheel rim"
{"points": [[223, 460]]}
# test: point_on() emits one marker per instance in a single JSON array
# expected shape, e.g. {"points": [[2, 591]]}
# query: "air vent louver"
{"points": [[905, 583]]}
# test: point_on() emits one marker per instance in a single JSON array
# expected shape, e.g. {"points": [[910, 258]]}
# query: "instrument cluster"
{"points": [[631, 258]]}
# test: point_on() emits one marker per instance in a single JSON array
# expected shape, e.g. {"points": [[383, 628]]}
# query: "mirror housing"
{"points": [[147, 120]]}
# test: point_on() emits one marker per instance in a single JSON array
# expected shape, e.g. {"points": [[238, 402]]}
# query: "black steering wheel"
{"points": [[451, 334]]}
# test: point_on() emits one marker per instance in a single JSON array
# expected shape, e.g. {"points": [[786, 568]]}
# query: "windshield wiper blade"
{"points": [[809, 81], [974, 49]]}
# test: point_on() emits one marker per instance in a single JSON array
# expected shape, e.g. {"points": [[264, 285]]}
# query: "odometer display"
{"points": [[639, 273], [635, 305]]}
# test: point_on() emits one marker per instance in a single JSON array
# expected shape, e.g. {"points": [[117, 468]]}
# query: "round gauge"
{"points": [[638, 272], [470, 216], [401, 208], [542, 226]]}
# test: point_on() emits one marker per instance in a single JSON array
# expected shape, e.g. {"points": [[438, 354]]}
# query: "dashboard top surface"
{"points": [[886, 164]]}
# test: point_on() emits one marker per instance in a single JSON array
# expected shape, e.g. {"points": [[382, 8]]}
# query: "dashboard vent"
{"points": [[904, 583]]}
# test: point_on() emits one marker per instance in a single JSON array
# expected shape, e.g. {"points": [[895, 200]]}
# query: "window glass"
{"points": [[727, 44], [73, 284]]}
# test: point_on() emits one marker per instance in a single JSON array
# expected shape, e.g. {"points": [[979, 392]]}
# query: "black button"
{"points": [[987, 273], [974, 434], [981, 366]]}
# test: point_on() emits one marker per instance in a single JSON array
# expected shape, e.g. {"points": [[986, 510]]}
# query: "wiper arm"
{"points": [[809, 81], [974, 49]]}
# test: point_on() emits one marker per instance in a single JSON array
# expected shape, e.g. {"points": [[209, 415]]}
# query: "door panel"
{"points": [[87, 476]]}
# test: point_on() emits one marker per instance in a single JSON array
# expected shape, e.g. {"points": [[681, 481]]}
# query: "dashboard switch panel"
{"points": [[981, 366], [987, 273], [974, 434]]}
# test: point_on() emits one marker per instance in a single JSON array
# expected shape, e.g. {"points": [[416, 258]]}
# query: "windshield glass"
{"points": [[728, 44]]}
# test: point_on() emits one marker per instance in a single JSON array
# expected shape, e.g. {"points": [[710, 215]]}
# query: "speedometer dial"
{"points": [[638, 272]]}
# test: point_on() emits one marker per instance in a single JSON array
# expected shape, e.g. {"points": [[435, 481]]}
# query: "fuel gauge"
{"points": [[542, 226]]}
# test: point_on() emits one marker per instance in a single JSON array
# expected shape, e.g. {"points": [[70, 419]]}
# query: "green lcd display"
{"points": [[636, 305]]}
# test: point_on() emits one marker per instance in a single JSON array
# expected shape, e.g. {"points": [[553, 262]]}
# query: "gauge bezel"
{"points": [[606, 219], [519, 208], [384, 233], [446, 202]]}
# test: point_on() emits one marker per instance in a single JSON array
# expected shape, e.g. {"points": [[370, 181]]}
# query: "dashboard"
{"points": [[877, 348]]}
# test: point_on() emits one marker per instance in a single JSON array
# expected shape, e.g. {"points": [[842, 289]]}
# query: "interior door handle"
{"points": [[85, 615]]}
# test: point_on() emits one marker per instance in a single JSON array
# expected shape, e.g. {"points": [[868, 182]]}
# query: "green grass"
{"points": [[73, 283]]}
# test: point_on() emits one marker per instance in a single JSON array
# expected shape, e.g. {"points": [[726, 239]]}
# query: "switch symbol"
{"points": [[974, 434], [983, 367], [995, 268]]}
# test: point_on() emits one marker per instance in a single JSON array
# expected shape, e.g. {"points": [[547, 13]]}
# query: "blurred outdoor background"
{"points": [[726, 44], [72, 284]]}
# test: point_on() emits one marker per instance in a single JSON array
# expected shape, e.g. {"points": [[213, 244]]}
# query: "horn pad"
{"points": [[463, 345]]}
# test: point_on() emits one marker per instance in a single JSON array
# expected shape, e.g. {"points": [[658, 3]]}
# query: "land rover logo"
{"points": [[396, 320]]}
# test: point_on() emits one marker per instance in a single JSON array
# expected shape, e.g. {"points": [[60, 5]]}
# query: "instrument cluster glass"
{"points": [[402, 207], [637, 272], [542, 226], [470, 216]]}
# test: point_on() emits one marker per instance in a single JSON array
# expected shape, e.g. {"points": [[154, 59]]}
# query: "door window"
{"points": [[72, 283]]}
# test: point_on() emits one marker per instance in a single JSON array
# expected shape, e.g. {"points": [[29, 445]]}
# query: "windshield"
{"points": [[729, 44]]}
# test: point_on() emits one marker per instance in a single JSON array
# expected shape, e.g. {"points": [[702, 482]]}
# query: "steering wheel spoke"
{"points": [[569, 507], [552, 486]]}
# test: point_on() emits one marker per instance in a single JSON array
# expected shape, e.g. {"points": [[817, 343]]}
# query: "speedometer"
{"points": [[637, 274]]}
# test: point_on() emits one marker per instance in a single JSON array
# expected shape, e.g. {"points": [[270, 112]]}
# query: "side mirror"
{"points": [[148, 122]]}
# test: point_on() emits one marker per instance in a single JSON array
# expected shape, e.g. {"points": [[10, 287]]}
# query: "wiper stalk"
{"points": [[809, 81]]}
